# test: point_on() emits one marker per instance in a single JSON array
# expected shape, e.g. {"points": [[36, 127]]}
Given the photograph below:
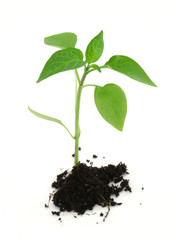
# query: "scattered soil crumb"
{"points": [[86, 186], [46, 205], [142, 188], [73, 155], [119, 204], [80, 149], [95, 156], [56, 213], [101, 214], [90, 162]]}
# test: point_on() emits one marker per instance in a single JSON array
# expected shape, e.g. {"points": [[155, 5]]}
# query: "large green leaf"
{"points": [[62, 60], [130, 68], [111, 103], [95, 48], [62, 40], [49, 119]]}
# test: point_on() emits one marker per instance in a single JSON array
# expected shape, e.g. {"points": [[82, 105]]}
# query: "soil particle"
{"points": [[95, 156], [119, 204], [73, 155], [91, 163], [56, 213], [86, 186]]}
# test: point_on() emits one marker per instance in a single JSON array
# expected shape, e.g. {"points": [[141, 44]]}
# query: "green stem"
{"points": [[68, 131], [75, 86], [77, 111], [91, 70], [104, 66], [77, 75], [90, 85]]}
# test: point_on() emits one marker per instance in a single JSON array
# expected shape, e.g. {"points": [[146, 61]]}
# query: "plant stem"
{"points": [[77, 111], [77, 129], [89, 85], [77, 76]]}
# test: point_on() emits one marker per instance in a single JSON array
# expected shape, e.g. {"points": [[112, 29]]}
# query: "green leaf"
{"points": [[62, 60], [62, 40], [49, 119], [130, 68], [111, 103], [95, 48], [96, 67]]}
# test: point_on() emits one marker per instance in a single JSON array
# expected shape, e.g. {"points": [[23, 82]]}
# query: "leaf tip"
{"points": [[29, 109], [101, 33], [45, 40], [154, 85], [121, 129], [39, 79]]}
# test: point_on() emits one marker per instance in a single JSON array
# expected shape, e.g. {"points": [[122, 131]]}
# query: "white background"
{"points": [[33, 150]]}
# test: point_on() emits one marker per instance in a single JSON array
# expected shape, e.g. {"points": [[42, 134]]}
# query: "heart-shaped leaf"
{"points": [[130, 68], [95, 48], [111, 103], [62, 40], [62, 60]]}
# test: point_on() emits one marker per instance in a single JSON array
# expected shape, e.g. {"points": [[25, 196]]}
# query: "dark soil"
{"points": [[85, 186]]}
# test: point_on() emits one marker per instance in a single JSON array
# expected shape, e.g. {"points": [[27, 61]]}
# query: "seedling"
{"points": [[110, 99]]}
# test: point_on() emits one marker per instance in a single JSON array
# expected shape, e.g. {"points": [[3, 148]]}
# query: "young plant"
{"points": [[110, 99]]}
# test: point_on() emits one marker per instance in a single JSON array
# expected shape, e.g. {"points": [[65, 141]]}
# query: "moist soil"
{"points": [[86, 186]]}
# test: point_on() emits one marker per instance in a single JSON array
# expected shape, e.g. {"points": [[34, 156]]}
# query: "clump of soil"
{"points": [[85, 186]]}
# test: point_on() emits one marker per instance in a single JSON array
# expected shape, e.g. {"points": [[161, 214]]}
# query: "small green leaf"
{"points": [[62, 40], [95, 48], [49, 119], [111, 103], [96, 67], [130, 68], [44, 116], [62, 60]]}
